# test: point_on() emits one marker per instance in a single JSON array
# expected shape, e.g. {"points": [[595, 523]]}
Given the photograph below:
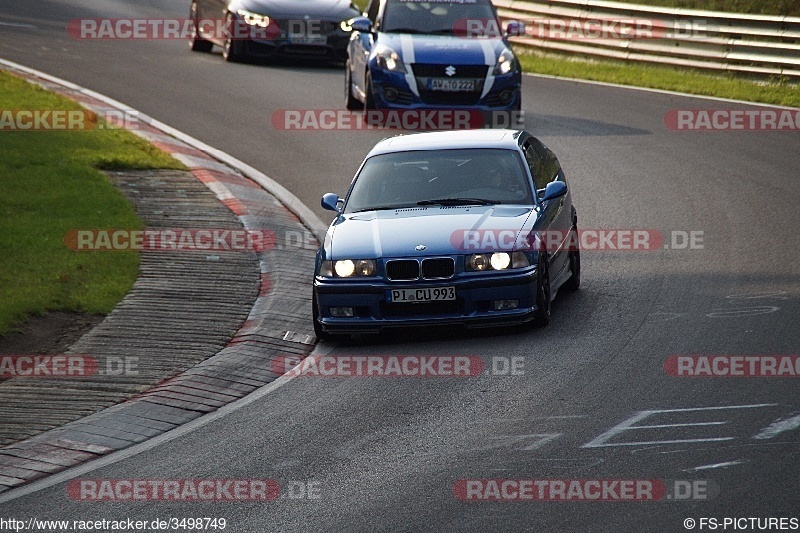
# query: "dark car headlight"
{"points": [[348, 268], [496, 261], [254, 19]]}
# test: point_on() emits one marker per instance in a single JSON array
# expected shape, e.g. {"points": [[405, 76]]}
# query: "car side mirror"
{"points": [[361, 24], [515, 28], [332, 202], [554, 189]]}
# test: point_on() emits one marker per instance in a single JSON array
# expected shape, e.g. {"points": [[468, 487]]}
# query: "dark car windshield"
{"points": [[440, 18], [440, 177]]}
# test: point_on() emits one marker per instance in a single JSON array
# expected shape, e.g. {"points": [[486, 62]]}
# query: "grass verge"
{"points": [[50, 184], [775, 92]]}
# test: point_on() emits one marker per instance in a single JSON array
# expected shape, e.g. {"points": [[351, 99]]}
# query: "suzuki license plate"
{"points": [[450, 85]]}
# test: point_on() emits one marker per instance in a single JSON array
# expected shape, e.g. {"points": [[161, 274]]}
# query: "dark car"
{"points": [[314, 29], [469, 227], [414, 54]]}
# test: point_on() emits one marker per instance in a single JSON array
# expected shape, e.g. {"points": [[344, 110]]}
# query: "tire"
{"points": [[543, 294], [197, 43], [233, 50], [321, 335], [574, 281], [350, 101], [369, 100]]}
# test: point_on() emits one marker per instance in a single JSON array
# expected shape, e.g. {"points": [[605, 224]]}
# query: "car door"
{"points": [[361, 46], [554, 220]]}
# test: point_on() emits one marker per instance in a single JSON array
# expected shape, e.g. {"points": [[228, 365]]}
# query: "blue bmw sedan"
{"points": [[411, 54], [472, 227]]}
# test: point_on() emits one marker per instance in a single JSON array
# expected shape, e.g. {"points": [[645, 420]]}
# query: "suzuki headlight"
{"points": [[388, 59], [506, 62]]}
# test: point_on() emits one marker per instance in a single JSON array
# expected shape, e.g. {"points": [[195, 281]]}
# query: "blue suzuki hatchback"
{"points": [[472, 227], [410, 54]]}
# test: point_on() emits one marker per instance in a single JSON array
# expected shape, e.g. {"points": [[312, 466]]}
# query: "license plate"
{"points": [[432, 294], [305, 39], [448, 85]]}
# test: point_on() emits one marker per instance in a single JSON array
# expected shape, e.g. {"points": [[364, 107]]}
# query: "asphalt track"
{"points": [[386, 453]]}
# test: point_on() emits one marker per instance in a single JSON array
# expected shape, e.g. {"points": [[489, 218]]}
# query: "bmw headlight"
{"points": [[254, 19], [388, 59], [497, 261], [500, 260], [348, 268], [506, 62]]}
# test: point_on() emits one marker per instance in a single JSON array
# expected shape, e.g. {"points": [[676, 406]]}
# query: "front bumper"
{"points": [[392, 90], [473, 306], [335, 48]]}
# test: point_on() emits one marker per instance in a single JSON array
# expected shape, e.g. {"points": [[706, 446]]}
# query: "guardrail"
{"points": [[753, 44]]}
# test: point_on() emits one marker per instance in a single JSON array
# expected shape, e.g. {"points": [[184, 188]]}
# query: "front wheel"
{"points": [[542, 315], [369, 100]]}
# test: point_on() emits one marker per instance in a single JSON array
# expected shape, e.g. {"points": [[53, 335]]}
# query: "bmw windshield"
{"points": [[442, 18], [440, 178]]}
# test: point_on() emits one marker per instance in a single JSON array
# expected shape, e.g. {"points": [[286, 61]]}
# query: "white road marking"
{"points": [[743, 311], [654, 442], [778, 295], [15, 25], [779, 426], [656, 91], [717, 465], [602, 441], [558, 417], [661, 426]]}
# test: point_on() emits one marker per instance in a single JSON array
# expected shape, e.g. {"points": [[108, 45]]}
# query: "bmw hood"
{"points": [[441, 230], [443, 49], [313, 9]]}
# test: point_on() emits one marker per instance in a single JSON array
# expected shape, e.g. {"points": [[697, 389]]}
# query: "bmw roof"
{"points": [[448, 140]]}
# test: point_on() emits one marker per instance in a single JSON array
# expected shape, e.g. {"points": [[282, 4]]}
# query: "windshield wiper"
{"points": [[403, 30], [458, 201], [440, 31], [382, 208]]}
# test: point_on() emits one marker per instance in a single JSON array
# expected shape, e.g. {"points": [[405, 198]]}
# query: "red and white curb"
{"points": [[232, 376]]}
